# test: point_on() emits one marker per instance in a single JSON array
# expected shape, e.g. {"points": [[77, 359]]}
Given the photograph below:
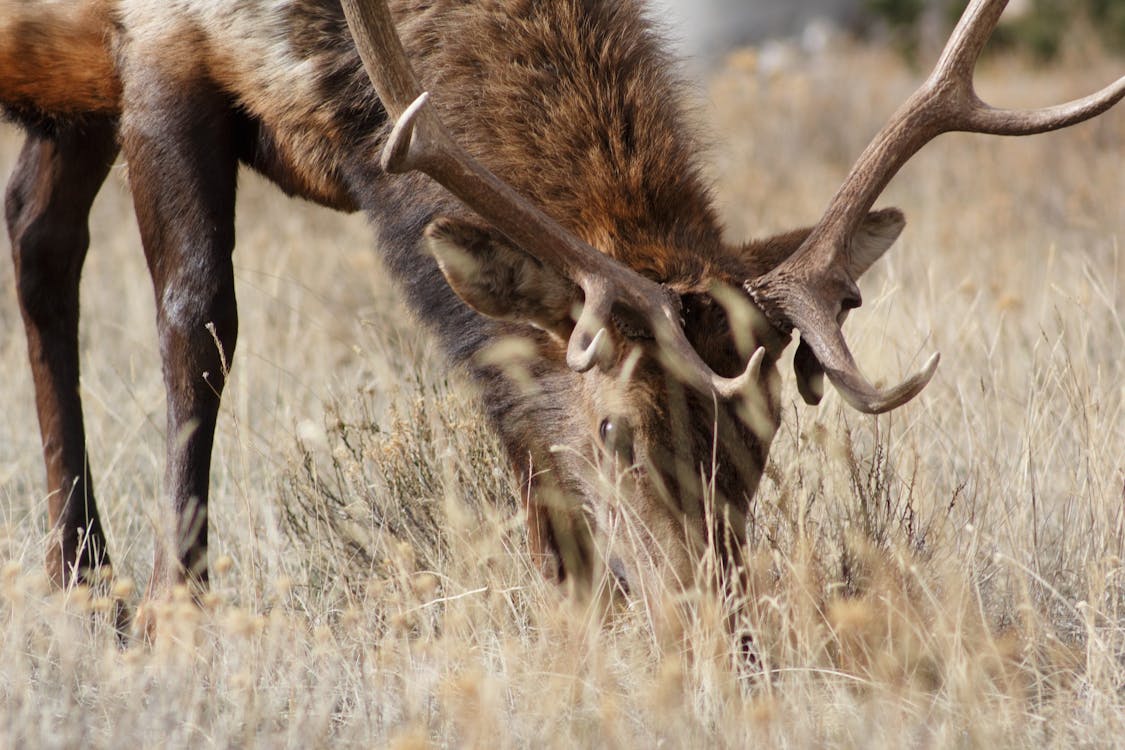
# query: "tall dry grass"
{"points": [[947, 575]]}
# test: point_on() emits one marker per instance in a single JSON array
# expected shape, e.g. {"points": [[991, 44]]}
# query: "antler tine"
{"points": [[985, 119], [844, 374], [811, 289], [970, 37], [955, 71], [420, 142]]}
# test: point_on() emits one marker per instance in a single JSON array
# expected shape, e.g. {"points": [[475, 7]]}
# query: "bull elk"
{"points": [[529, 173]]}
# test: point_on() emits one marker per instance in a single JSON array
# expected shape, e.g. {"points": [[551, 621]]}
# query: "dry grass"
{"points": [[949, 575]]}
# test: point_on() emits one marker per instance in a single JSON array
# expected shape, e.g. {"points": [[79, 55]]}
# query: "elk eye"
{"points": [[617, 436]]}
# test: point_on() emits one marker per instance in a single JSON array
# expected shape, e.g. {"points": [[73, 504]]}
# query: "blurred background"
{"points": [[707, 29]]}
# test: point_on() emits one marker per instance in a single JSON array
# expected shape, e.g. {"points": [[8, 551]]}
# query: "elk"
{"points": [[529, 174]]}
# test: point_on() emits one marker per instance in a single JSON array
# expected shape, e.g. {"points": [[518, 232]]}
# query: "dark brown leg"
{"points": [[47, 205], [178, 139]]}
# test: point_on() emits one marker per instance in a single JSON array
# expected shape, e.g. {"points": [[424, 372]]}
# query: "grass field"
{"points": [[947, 575]]}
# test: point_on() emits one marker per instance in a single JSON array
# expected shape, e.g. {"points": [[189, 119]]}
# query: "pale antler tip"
{"points": [[931, 366], [581, 360], [729, 388], [397, 156], [863, 397]]}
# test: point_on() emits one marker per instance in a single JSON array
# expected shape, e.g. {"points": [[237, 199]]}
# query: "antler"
{"points": [[420, 142], [813, 289]]}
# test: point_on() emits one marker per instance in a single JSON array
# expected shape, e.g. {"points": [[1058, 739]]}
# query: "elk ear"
{"points": [[875, 236], [499, 280]]}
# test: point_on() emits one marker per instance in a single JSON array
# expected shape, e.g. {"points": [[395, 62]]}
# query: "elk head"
{"points": [[678, 373]]}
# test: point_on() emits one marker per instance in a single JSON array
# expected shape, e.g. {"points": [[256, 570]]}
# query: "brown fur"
{"points": [[584, 91], [55, 58]]}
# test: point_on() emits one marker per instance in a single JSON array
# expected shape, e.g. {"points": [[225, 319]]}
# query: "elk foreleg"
{"points": [[178, 138], [47, 205]]}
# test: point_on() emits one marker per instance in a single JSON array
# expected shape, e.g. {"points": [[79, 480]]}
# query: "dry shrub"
{"points": [[394, 487]]}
